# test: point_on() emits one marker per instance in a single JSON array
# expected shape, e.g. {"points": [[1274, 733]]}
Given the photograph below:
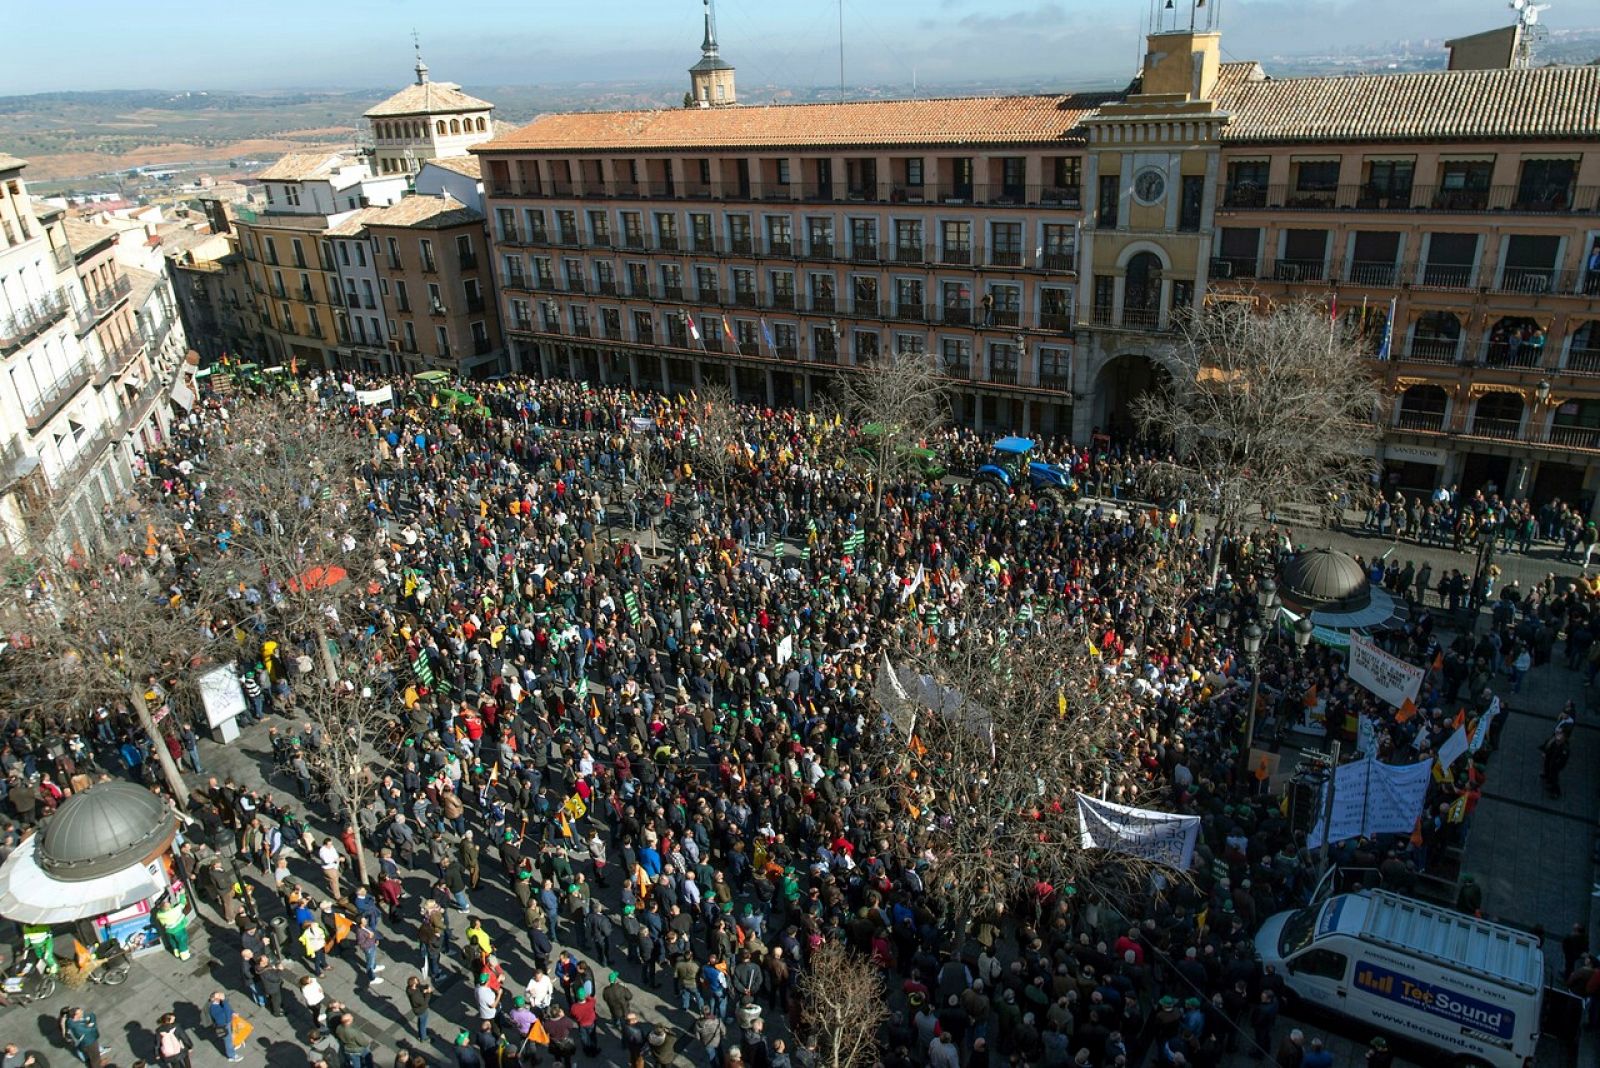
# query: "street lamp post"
{"points": [[1147, 610], [1252, 652], [1303, 628], [1267, 602]]}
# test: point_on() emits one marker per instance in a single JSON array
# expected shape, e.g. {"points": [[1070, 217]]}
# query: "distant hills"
{"points": [[75, 135]]}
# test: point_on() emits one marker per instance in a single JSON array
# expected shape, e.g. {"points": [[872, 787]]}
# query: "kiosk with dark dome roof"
{"points": [[104, 830], [103, 857], [1333, 589]]}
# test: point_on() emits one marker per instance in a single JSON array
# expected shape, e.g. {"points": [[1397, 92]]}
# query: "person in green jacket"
{"points": [[174, 920]]}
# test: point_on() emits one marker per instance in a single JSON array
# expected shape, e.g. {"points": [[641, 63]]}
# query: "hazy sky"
{"points": [[181, 44]]}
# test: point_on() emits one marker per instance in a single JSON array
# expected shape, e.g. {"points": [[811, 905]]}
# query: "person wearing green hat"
{"points": [[487, 998], [618, 998]]}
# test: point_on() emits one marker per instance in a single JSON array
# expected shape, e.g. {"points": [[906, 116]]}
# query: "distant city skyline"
{"points": [[362, 44]]}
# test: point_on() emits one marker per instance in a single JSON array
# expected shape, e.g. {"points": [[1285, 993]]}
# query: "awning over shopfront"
{"points": [[28, 894]]}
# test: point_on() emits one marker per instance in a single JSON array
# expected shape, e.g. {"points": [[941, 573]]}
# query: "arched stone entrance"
{"points": [[1121, 381]]}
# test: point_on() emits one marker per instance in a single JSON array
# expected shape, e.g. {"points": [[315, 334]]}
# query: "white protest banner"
{"points": [[1452, 748], [1370, 798], [1162, 837], [1484, 722], [1387, 676], [182, 394], [1395, 795], [384, 395], [1350, 784], [785, 649]]}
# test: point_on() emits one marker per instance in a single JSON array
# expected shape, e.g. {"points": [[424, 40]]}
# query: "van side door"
{"points": [[1321, 975]]}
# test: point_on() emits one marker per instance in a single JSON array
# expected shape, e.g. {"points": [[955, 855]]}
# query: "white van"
{"points": [[1463, 986]]}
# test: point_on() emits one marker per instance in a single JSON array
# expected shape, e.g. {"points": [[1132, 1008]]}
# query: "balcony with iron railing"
{"points": [[33, 319], [1433, 350], [1498, 429], [1574, 437], [880, 191], [61, 257], [90, 451], [1502, 352], [107, 297], [1582, 361], [55, 396], [1511, 199], [1420, 422], [121, 352]]}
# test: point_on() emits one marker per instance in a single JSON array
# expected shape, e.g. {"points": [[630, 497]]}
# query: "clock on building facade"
{"points": [[1149, 185]]}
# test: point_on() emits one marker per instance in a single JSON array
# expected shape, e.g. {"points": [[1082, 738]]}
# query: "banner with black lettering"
{"points": [[1161, 837], [1387, 676]]}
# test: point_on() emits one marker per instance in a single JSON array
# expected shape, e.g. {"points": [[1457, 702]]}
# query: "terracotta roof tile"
{"points": [[83, 237], [1020, 120], [353, 224], [1541, 102], [432, 213], [465, 165], [304, 166], [429, 98]]}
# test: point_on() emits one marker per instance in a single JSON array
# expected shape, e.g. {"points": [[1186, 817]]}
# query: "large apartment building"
{"points": [[347, 268], [83, 393], [1466, 201], [1040, 246]]}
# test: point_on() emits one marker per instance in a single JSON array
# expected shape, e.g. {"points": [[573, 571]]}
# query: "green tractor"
{"points": [[927, 463]]}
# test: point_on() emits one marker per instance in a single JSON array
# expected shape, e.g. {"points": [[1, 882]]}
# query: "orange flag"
{"points": [[538, 1034], [1408, 709], [566, 830], [1438, 660], [1461, 717], [1311, 697], [917, 747], [1416, 833]]}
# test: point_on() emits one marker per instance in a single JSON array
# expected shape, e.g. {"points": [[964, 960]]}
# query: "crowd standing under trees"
{"points": [[488, 674]]}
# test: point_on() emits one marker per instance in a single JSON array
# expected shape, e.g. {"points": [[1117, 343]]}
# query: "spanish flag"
{"points": [[727, 329]]}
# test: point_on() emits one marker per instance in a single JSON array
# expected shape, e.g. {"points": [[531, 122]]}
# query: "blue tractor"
{"points": [[1010, 469]]}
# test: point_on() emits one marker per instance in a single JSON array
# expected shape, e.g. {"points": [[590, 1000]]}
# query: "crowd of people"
{"points": [[606, 779]]}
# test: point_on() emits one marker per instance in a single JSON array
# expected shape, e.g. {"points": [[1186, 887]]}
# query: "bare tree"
{"points": [[719, 439], [1272, 406], [93, 632], [999, 725], [357, 729], [284, 487], [899, 402], [841, 994]]}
